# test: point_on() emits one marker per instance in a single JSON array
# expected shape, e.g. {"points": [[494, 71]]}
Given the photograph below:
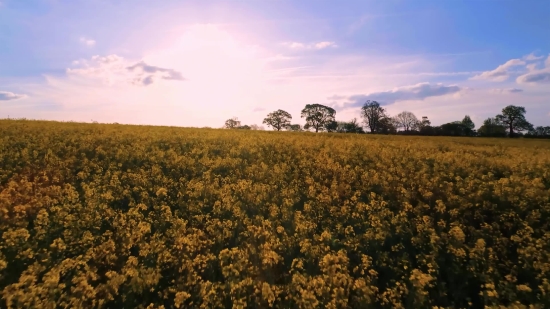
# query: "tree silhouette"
{"points": [[318, 116], [469, 125], [513, 117], [372, 114], [349, 127], [492, 128], [278, 120], [232, 123]]}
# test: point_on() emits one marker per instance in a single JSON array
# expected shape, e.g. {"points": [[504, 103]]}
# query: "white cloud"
{"points": [[536, 77], [501, 73], [8, 96], [227, 77], [87, 41], [532, 57], [506, 90], [419, 91], [149, 72], [325, 44], [113, 68], [318, 45]]}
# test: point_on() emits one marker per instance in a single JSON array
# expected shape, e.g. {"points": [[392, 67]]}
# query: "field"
{"points": [[113, 216]]}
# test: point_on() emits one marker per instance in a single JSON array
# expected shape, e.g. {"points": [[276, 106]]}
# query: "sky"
{"points": [[197, 63]]}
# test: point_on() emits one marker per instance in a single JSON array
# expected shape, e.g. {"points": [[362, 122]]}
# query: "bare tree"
{"points": [[407, 121]]}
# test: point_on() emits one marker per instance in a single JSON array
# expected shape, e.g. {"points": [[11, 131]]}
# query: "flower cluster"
{"points": [[111, 216]]}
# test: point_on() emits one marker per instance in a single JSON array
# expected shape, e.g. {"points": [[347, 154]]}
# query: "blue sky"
{"points": [[198, 63]]}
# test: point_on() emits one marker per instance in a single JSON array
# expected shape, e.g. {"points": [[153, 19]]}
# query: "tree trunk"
{"points": [[511, 130]]}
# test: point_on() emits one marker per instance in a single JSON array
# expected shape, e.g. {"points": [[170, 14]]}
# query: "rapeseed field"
{"points": [[115, 216]]}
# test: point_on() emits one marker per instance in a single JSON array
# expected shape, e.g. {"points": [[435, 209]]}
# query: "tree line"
{"points": [[511, 122]]}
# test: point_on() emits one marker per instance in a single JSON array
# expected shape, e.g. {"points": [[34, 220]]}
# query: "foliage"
{"points": [[278, 120], [456, 128], [295, 127], [373, 114], [539, 132], [349, 127], [318, 117], [232, 123], [513, 117], [492, 128], [468, 125], [331, 126], [115, 216], [387, 125]]}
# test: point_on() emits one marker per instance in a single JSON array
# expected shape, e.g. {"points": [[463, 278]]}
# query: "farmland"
{"points": [[116, 216]]}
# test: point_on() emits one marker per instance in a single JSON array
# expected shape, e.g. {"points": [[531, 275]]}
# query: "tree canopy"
{"points": [[318, 116], [232, 123], [278, 120], [492, 128], [372, 114], [352, 126], [513, 117], [468, 125]]}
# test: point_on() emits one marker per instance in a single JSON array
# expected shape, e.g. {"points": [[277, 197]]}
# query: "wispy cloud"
{"points": [[532, 57], [535, 76], [506, 90], [87, 41], [361, 21], [419, 91], [318, 45], [501, 73], [8, 96]]}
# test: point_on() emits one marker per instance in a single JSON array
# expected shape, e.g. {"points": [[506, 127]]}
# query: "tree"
{"points": [[539, 131], [387, 126], [455, 128], [469, 125], [331, 126], [349, 127], [245, 127], [492, 128], [513, 117], [318, 116], [232, 123], [407, 121], [425, 127], [295, 127], [278, 120], [372, 114], [425, 122]]}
